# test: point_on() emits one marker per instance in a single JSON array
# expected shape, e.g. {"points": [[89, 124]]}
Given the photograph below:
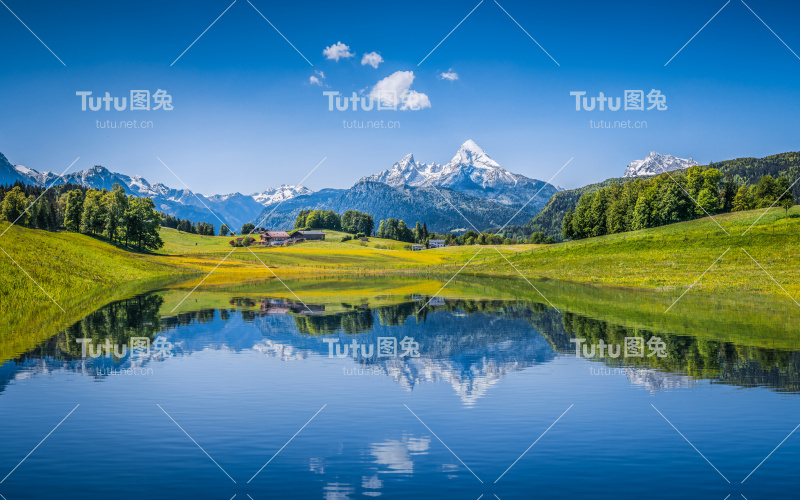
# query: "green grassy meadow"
{"points": [[670, 258], [633, 277], [79, 272]]}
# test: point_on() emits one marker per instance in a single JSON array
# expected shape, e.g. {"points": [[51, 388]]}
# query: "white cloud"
{"points": [[317, 80], [337, 51], [449, 75], [395, 91], [415, 100], [373, 59]]}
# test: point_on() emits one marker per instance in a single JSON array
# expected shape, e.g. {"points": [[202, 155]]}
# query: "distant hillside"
{"points": [[411, 204], [750, 170], [548, 220], [743, 171]]}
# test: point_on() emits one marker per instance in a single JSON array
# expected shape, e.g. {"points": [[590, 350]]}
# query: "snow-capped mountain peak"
{"points": [[470, 161], [470, 154], [140, 183], [470, 171], [405, 172], [284, 192], [407, 160], [655, 164]]}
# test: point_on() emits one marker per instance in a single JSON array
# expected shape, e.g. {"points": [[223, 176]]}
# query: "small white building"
{"points": [[436, 243], [417, 248]]}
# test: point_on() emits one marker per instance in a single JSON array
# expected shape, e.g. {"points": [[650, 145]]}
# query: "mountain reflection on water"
{"points": [[469, 344]]}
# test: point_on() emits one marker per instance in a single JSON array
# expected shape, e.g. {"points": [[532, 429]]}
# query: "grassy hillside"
{"points": [[670, 258], [82, 273], [380, 243], [311, 258], [79, 272], [69, 265], [655, 266], [179, 242], [666, 259]]}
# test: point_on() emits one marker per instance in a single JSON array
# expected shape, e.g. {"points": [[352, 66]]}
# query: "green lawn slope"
{"points": [[671, 258], [78, 272]]}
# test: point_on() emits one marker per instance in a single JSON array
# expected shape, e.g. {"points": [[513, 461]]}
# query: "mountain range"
{"points": [[471, 172], [471, 183], [235, 208], [471, 189]]}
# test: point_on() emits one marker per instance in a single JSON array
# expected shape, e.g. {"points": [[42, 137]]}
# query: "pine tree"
{"points": [[729, 190], [566, 225]]}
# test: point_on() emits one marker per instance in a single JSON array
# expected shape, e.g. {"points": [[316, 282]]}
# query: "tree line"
{"points": [[475, 238], [318, 219], [360, 223], [187, 226], [668, 198], [352, 221], [122, 218], [76, 208], [396, 229]]}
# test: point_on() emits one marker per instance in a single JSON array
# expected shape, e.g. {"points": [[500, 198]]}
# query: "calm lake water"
{"points": [[250, 398]]}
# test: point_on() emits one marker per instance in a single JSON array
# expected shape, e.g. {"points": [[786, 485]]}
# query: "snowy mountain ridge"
{"points": [[654, 164], [234, 208], [471, 171]]}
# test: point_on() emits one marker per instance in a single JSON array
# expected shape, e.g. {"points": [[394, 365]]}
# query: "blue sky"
{"points": [[246, 116]]}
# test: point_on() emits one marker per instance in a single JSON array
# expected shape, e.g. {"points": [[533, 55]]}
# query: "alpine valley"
{"points": [[470, 183]]}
